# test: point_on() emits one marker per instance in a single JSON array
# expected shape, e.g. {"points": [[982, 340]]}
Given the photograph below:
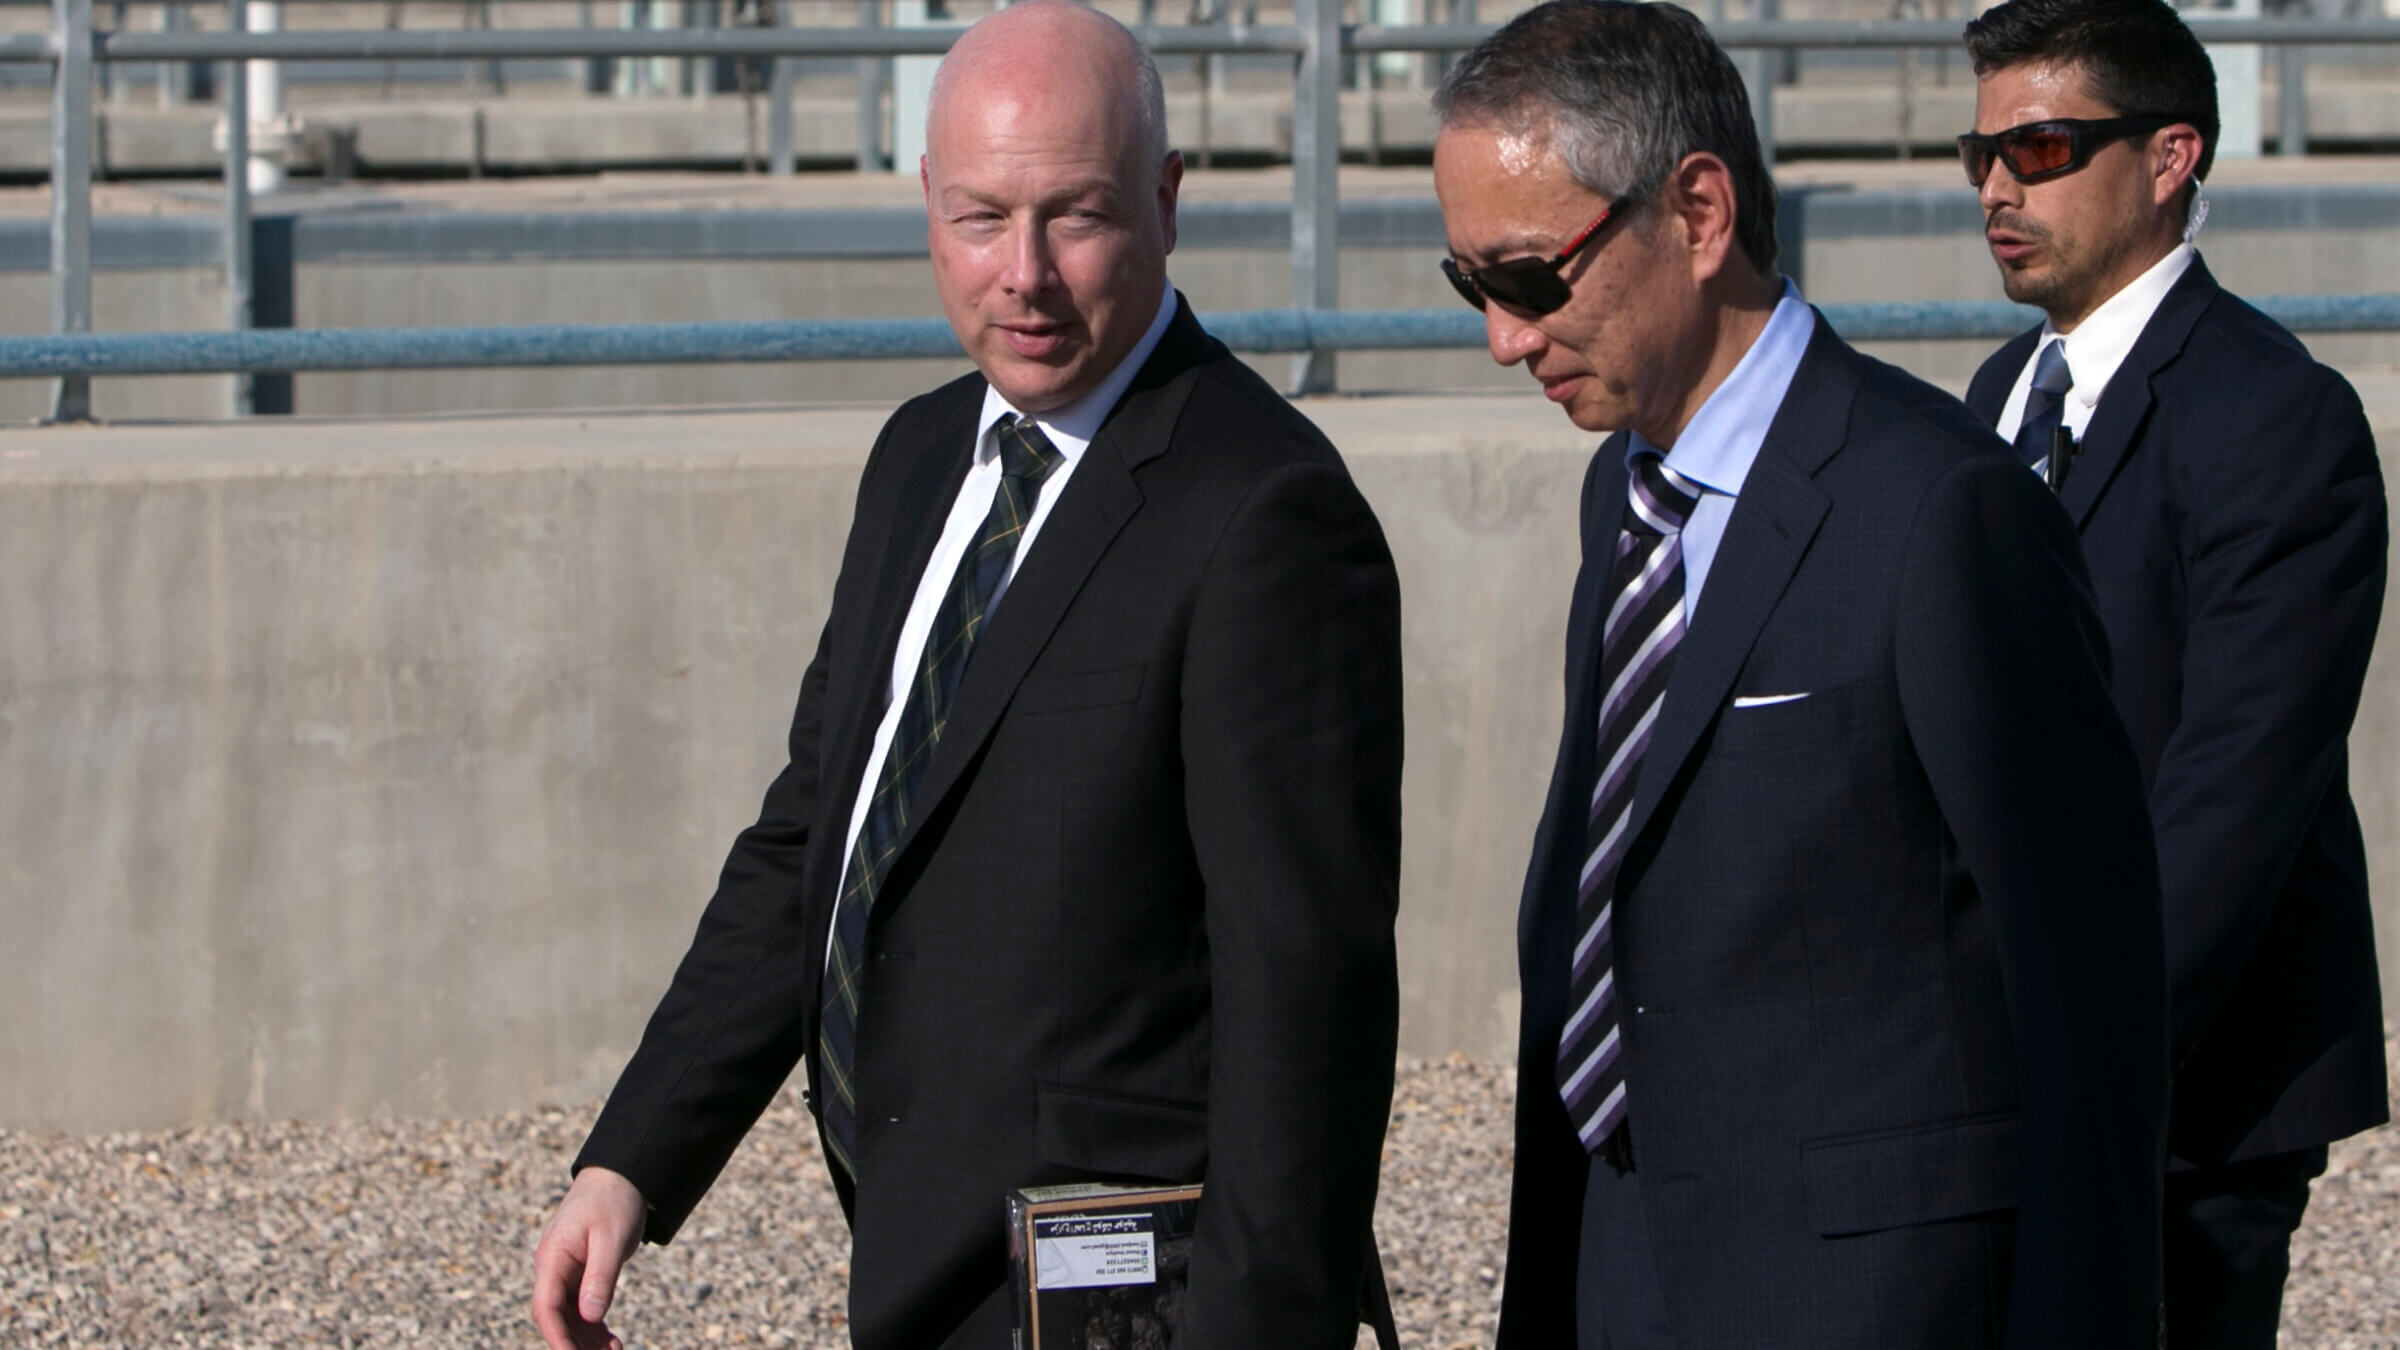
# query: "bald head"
{"points": [[1049, 198], [1047, 48]]}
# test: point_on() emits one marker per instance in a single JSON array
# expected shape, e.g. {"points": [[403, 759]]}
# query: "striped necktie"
{"points": [[1637, 650], [2045, 403], [1026, 458]]}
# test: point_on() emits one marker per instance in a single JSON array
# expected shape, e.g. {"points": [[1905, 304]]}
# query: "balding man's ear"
{"points": [[1170, 182]]}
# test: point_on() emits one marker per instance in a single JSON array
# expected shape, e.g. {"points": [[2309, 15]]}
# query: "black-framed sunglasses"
{"points": [[1529, 285], [2052, 148]]}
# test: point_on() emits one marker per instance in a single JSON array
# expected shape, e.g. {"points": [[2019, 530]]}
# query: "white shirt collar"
{"points": [[1072, 427], [2102, 341]]}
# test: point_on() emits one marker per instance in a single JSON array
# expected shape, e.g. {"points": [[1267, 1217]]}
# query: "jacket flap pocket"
{"points": [[1102, 1132], [1081, 689], [1889, 1179]]}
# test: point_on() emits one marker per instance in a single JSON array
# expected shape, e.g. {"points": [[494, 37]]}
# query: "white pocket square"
{"points": [[1767, 700]]}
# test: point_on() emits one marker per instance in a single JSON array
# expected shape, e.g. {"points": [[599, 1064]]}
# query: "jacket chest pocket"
{"points": [[1785, 728], [1071, 690]]}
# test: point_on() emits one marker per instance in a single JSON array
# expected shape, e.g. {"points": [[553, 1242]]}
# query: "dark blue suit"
{"points": [[1891, 951], [2233, 515]]}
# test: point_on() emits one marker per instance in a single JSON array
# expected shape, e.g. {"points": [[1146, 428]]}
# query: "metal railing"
{"points": [[1318, 42], [1296, 331]]}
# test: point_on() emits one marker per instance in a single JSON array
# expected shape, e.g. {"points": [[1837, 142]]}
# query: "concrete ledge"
{"points": [[382, 767]]}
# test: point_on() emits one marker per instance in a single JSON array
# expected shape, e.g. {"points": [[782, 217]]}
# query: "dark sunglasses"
{"points": [[1528, 285], [2037, 151]]}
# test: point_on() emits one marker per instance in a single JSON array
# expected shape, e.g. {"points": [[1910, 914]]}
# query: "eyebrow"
{"points": [[1102, 188]]}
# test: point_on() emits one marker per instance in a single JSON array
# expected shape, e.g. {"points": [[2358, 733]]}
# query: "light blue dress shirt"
{"points": [[1720, 444]]}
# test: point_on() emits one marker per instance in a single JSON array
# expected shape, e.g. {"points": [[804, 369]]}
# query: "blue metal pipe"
{"points": [[270, 351]]}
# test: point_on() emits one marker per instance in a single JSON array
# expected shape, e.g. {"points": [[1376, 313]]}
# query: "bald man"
{"points": [[1083, 866]]}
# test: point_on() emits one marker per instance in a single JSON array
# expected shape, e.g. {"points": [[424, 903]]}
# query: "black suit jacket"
{"points": [[1891, 951], [2232, 509], [1140, 927]]}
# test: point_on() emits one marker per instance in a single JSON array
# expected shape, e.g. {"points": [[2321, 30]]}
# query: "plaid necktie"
{"points": [[1026, 458], [2045, 403], [1637, 650]]}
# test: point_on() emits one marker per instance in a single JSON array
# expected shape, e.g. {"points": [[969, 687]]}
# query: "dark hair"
{"points": [[2136, 55], [1625, 91]]}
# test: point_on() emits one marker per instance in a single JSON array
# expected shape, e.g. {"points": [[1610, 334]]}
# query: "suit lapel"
{"points": [[1091, 510], [1987, 394], [1773, 523], [2125, 404], [924, 497], [1578, 740]]}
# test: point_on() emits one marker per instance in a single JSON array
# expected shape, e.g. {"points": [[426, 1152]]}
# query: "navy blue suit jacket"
{"points": [[2232, 511], [1891, 951]]}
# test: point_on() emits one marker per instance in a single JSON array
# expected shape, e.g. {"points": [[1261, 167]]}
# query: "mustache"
{"points": [[2016, 224]]}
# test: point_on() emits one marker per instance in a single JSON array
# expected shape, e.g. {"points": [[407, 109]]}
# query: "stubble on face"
{"points": [[2066, 244]]}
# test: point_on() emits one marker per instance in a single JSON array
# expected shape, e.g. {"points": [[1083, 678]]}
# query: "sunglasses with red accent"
{"points": [[2053, 148], [1528, 285]]}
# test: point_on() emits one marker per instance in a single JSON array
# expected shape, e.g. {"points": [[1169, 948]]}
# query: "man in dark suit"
{"points": [[1113, 899], [1843, 1021], [2232, 511]]}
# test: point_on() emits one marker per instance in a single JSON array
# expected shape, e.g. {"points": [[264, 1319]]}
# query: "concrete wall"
{"points": [[382, 767]]}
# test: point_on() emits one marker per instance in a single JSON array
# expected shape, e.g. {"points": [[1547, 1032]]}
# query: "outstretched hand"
{"points": [[576, 1263]]}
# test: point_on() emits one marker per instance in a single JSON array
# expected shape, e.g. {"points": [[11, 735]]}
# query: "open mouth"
{"points": [[1035, 340], [2010, 245]]}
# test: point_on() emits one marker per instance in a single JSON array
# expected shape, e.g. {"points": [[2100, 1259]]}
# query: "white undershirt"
{"points": [[1070, 430], [2098, 345]]}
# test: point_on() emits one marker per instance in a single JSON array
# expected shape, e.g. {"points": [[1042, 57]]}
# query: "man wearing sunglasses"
{"points": [[2227, 492], [1837, 1030]]}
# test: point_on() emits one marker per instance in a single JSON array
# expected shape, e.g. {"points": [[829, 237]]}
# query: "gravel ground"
{"points": [[407, 1233]]}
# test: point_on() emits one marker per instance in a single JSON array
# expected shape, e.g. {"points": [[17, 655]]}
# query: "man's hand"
{"points": [[575, 1264]]}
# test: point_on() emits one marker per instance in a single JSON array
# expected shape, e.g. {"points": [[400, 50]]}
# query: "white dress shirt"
{"points": [[2098, 345], [1070, 430]]}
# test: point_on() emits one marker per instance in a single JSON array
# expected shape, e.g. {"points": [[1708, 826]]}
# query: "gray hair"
{"points": [[1623, 91]]}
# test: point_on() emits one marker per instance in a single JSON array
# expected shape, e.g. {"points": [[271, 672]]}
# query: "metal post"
{"points": [[71, 194], [1758, 69], [781, 160], [1316, 180], [2291, 100], [114, 84], [1759, 66], [598, 72], [269, 132], [174, 77], [873, 73], [236, 84], [912, 85]]}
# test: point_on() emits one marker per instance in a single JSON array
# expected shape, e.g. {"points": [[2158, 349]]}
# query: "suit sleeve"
{"points": [[2284, 564], [2002, 667], [738, 1013], [1291, 734]]}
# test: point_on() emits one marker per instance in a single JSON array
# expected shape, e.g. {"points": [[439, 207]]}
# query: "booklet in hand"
{"points": [[1100, 1267]]}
